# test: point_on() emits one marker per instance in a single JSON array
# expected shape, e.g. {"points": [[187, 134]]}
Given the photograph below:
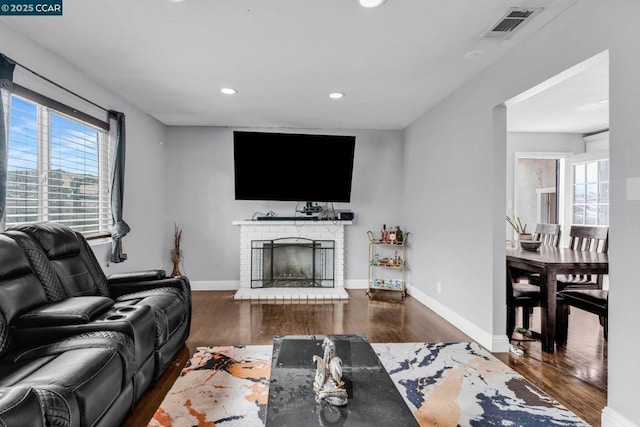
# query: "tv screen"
{"points": [[293, 167]]}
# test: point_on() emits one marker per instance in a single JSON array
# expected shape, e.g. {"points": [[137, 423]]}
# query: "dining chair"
{"points": [[523, 288], [585, 238], [548, 234], [594, 301], [520, 294]]}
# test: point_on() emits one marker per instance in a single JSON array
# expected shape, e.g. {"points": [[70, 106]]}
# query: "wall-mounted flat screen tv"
{"points": [[293, 167]]}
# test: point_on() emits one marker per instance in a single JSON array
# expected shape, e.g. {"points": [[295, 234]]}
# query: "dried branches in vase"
{"points": [[176, 252]]}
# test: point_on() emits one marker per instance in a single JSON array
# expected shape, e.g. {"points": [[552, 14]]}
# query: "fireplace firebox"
{"points": [[292, 263]]}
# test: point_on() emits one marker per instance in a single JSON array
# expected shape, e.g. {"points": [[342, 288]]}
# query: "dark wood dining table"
{"points": [[549, 262]]}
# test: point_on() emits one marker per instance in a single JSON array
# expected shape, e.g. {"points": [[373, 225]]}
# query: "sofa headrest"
{"points": [[14, 261], [57, 240]]}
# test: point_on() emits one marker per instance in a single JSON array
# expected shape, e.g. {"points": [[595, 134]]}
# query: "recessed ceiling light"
{"points": [[371, 3], [228, 91], [336, 95]]}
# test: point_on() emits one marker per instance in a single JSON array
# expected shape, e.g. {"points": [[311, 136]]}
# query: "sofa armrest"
{"points": [[19, 406], [136, 276], [124, 288], [69, 311]]}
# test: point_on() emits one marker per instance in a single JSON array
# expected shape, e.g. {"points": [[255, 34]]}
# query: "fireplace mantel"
{"points": [[270, 230]]}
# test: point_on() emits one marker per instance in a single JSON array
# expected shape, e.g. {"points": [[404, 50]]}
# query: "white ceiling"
{"points": [[575, 101], [285, 56]]}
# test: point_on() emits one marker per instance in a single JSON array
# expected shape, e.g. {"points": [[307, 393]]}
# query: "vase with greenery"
{"points": [[176, 252], [521, 230]]}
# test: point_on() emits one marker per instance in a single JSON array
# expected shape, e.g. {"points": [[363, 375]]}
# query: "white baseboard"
{"points": [[356, 284], [215, 285], [493, 343], [612, 418]]}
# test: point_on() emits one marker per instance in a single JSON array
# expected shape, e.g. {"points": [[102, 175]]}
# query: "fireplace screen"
{"points": [[292, 263]]}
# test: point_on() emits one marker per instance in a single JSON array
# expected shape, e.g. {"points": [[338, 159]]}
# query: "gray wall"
{"points": [[200, 197], [144, 192], [461, 243]]}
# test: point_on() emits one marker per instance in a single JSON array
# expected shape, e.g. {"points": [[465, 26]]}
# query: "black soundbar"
{"points": [[344, 216], [287, 218]]}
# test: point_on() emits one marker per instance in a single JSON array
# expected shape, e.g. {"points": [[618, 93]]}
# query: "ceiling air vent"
{"points": [[510, 22]]}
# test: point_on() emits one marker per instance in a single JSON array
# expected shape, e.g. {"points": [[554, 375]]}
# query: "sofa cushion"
{"points": [[75, 278], [71, 262], [40, 265], [93, 368], [20, 290], [93, 375], [58, 241], [19, 295], [14, 262]]}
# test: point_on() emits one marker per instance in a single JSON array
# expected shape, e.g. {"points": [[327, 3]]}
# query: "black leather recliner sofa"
{"points": [[78, 346]]}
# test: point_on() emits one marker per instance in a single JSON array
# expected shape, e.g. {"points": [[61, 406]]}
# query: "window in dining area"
{"points": [[590, 203]]}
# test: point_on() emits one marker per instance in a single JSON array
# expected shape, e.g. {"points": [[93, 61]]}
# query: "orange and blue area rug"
{"points": [[444, 384]]}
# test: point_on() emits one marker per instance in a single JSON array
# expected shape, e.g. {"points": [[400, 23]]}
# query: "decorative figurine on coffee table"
{"points": [[328, 383]]}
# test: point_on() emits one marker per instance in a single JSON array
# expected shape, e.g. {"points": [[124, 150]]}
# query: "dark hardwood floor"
{"points": [[575, 375]]}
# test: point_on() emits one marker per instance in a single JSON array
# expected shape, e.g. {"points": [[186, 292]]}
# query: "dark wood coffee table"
{"points": [[373, 399]]}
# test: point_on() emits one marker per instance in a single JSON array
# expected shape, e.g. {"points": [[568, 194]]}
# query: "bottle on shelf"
{"points": [[396, 259], [399, 234], [392, 236], [376, 259]]}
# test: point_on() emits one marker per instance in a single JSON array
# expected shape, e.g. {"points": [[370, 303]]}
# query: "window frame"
{"points": [[593, 153], [46, 107], [586, 183]]}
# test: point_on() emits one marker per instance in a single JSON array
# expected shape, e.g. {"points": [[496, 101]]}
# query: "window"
{"points": [[591, 193], [57, 166]]}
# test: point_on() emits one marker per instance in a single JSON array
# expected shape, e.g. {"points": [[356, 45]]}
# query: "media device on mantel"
{"points": [[339, 216], [346, 215], [293, 167]]}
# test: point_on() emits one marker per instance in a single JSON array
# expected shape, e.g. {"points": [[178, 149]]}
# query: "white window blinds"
{"points": [[57, 168]]}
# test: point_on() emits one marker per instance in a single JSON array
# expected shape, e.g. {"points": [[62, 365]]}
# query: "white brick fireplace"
{"points": [[270, 230]]}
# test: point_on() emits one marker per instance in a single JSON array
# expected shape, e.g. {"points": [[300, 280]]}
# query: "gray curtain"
{"points": [[6, 81], [120, 228]]}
